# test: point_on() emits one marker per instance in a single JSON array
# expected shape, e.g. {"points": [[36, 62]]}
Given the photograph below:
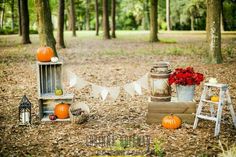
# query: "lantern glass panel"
{"points": [[25, 111]]}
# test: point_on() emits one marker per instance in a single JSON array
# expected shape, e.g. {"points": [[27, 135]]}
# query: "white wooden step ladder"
{"points": [[224, 99]]}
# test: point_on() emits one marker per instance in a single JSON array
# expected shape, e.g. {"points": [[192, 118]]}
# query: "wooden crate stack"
{"points": [[49, 76], [157, 110]]}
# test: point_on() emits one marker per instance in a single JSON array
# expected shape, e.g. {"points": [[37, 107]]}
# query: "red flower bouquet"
{"points": [[185, 77]]}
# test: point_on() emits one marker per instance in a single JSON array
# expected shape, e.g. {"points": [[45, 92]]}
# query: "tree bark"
{"points": [[45, 27], [68, 13], [207, 22], [106, 34], [214, 42], [113, 19], [87, 16], [60, 31], [2, 14], [168, 15], [153, 21], [222, 16], [192, 22], [19, 18], [146, 19], [97, 17], [25, 22], [12, 16], [72, 12]]}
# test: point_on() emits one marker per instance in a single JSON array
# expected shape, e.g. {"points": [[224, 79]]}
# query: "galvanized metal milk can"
{"points": [[158, 81]]}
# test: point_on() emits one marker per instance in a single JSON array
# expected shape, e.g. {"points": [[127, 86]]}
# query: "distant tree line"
{"points": [[130, 14], [44, 16]]}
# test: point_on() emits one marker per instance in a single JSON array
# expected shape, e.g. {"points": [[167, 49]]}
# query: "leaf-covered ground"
{"points": [[109, 63]]}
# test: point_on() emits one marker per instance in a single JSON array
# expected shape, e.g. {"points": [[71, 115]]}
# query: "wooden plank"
{"points": [[49, 63], [172, 107], [58, 77], [41, 78], [46, 79], [52, 96], [40, 108], [51, 89], [153, 118], [38, 79], [46, 119]]}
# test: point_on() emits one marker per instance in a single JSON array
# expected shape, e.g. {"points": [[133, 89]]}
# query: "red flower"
{"points": [[185, 77]]}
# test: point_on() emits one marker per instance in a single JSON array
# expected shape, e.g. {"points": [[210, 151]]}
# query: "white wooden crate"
{"points": [[47, 105], [49, 77]]}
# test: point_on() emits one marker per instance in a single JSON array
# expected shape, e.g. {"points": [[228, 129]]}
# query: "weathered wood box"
{"points": [[48, 103], [49, 76], [157, 110]]}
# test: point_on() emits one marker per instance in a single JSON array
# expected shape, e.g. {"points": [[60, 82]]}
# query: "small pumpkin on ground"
{"points": [[171, 122], [62, 110], [44, 54], [215, 98]]}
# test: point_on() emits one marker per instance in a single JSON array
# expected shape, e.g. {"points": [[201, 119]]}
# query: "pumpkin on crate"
{"points": [[44, 54], [171, 122], [62, 110]]}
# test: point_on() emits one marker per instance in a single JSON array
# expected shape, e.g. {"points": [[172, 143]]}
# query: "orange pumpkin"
{"points": [[62, 110], [171, 122], [215, 98], [44, 54]]}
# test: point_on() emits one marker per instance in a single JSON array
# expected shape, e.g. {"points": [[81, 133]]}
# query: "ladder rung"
{"points": [[207, 117], [218, 85], [209, 101]]}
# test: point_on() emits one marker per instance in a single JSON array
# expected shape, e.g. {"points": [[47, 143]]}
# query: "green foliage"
{"points": [[158, 148], [130, 14], [229, 15], [8, 31]]}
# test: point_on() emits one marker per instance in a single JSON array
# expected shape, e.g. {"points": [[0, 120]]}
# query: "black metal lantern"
{"points": [[25, 111]]}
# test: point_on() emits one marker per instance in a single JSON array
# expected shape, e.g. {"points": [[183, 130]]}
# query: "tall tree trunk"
{"points": [[69, 18], [25, 22], [222, 22], [2, 14], [208, 17], [214, 42], [97, 18], [153, 21], [72, 12], [146, 19], [106, 34], [168, 15], [113, 19], [87, 15], [45, 27], [19, 18], [222, 16], [12, 16], [60, 31], [192, 22]]}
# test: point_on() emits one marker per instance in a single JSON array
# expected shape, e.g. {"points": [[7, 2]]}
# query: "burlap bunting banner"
{"points": [[110, 93]]}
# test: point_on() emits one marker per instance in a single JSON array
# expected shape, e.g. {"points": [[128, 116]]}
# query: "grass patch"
{"points": [[168, 40]]}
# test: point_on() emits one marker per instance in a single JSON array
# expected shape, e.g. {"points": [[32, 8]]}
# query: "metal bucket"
{"points": [[160, 88]]}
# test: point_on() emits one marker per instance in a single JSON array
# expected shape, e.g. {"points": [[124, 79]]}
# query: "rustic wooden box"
{"points": [[157, 110], [49, 76], [48, 102]]}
